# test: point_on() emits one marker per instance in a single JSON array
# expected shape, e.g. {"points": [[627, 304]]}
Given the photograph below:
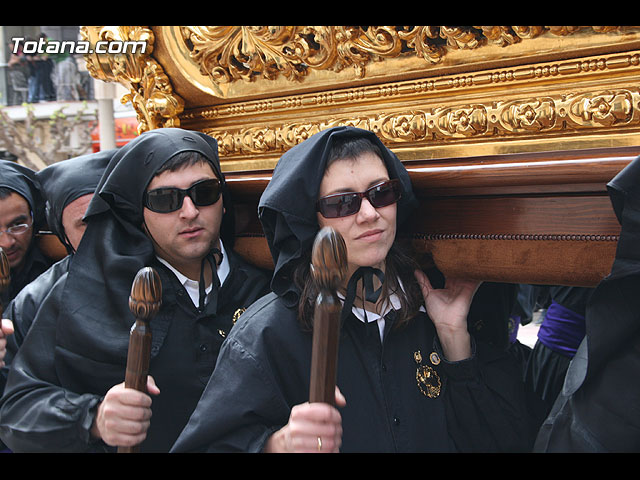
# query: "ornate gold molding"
{"points": [[150, 90], [616, 108], [231, 53]]}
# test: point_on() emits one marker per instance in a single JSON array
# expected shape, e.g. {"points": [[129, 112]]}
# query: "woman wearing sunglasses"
{"points": [[410, 377]]}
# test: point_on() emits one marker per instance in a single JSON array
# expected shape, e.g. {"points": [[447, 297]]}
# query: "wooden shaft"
{"points": [[324, 353], [144, 303], [5, 276], [138, 356]]}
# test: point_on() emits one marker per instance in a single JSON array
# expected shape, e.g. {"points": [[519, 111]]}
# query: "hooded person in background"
{"points": [[597, 409], [21, 217], [67, 187], [162, 202], [408, 379]]}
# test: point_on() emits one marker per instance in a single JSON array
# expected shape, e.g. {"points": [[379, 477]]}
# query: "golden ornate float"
{"points": [[510, 133]]}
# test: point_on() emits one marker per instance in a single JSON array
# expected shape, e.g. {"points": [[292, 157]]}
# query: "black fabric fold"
{"points": [[370, 294]]}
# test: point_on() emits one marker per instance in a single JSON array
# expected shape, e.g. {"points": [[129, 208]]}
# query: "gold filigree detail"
{"points": [[237, 313], [427, 378], [150, 90], [231, 53], [517, 117]]}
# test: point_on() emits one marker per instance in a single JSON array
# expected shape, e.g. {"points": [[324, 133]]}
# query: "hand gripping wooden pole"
{"points": [[5, 276], [328, 269], [144, 303]]}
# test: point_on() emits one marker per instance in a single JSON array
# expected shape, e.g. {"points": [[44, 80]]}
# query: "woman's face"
{"points": [[369, 233]]}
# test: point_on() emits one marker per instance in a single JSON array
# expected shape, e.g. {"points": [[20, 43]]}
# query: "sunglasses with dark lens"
{"points": [[345, 204], [169, 199]]}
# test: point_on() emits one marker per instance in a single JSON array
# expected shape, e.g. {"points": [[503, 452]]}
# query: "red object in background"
{"points": [[126, 130]]}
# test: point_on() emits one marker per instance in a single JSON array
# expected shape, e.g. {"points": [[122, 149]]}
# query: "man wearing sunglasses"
{"points": [[162, 202]]}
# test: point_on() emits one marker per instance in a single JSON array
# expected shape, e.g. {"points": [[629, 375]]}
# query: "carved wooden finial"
{"points": [[329, 268], [329, 259], [146, 294]]}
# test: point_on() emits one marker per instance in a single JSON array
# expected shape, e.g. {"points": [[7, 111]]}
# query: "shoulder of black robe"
{"points": [[67, 180], [114, 247], [589, 414], [23, 308], [252, 388], [287, 207]]}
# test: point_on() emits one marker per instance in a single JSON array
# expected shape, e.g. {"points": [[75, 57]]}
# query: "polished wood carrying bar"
{"points": [[522, 218], [510, 133]]}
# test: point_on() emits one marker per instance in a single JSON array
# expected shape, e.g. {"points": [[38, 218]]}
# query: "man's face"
{"points": [[184, 237], [14, 210], [72, 222]]}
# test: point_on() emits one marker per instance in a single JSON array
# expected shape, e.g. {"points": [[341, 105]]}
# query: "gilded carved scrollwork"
{"points": [[425, 110], [525, 116], [231, 53], [150, 90]]}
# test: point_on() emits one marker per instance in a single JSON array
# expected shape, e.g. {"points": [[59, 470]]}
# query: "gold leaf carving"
{"points": [[467, 121], [604, 109], [150, 90], [533, 115], [506, 118], [232, 53]]}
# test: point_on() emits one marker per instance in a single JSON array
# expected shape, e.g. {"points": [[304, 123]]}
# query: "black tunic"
{"points": [[263, 371]]}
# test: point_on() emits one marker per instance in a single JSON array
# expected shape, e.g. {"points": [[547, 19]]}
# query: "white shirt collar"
{"points": [[191, 286]]}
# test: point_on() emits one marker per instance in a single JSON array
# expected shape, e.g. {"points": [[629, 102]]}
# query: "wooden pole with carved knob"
{"points": [[5, 276], [328, 269], [144, 303]]}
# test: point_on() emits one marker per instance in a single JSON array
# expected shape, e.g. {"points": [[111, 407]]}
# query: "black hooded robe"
{"points": [[61, 183], [598, 409], [263, 368], [77, 346]]}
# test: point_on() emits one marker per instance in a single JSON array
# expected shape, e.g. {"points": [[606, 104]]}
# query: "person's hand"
{"points": [[6, 329], [124, 415], [312, 427], [448, 309]]}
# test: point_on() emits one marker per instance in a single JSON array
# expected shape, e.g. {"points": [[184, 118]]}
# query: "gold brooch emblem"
{"points": [[427, 378], [435, 358], [237, 313]]}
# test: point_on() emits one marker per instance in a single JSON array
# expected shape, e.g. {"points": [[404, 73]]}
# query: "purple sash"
{"points": [[562, 330]]}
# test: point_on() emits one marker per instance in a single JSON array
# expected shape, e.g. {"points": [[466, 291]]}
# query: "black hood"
{"points": [[613, 310], [24, 181], [624, 192], [287, 207], [67, 180]]}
